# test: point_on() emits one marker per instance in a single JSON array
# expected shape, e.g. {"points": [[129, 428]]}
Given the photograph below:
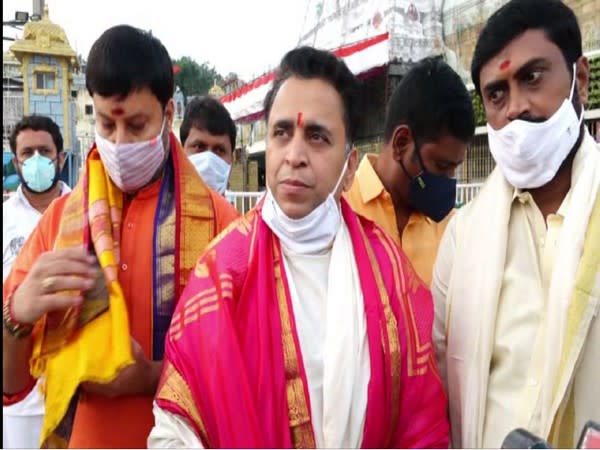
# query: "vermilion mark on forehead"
{"points": [[299, 121], [117, 111], [505, 64]]}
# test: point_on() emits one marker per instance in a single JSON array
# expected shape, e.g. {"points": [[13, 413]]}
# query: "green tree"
{"points": [[194, 78]]}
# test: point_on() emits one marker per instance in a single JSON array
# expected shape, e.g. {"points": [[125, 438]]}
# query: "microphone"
{"points": [[590, 436], [520, 438]]}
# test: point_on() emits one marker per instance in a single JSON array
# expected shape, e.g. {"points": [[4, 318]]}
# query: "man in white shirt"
{"points": [[207, 134], [37, 146], [517, 278]]}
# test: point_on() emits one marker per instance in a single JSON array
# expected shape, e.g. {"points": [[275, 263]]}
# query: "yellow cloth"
{"points": [[516, 369], [421, 236], [61, 353]]}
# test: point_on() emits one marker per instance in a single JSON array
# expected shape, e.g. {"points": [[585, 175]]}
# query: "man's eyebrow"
{"points": [[133, 117], [449, 162], [494, 85], [316, 127], [284, 123], [520, 73], [526, 68]]}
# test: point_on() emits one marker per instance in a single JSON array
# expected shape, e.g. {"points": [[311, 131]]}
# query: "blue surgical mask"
{"points": [[39, 174], [433, 195]]}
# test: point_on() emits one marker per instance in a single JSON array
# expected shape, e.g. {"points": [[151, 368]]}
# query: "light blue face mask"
{"points": [[39, 173]]}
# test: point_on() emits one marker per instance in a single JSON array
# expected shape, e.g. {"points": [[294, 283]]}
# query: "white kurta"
{"points": [[22, 422], [329, 314], [513, 348], [516, 369]]}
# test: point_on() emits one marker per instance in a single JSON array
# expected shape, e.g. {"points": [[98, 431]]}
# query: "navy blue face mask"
{"points": [[433, 195]]}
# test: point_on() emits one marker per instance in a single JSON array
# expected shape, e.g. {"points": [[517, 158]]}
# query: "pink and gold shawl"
{"points": [[233, 364]]}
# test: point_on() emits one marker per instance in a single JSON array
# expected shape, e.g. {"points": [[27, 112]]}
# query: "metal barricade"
{"points": [[245, 201], [466, 192]]}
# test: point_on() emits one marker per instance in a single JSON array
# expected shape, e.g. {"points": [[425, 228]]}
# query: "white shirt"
{"points": [[19, 219], [516, 369]]}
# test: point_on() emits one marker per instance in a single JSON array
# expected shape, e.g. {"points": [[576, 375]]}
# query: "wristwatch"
{"points": [[14, 328]]}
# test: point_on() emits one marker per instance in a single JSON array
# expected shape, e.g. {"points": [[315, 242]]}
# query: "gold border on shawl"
{"points": [[581, 306], [300, 423], [198, 217], [417, 362], [175, 390], [391, 327]]}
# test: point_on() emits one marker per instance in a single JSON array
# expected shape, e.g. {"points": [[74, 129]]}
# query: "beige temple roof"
{"points": [[46, 38]]}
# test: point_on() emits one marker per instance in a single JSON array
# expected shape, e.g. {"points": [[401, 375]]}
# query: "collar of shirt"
{"points": [[371, 187], [369, 183], [525, 196], [20, 195]]}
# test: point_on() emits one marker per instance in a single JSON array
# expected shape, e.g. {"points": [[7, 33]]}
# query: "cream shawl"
{"points": [[467, 281]]}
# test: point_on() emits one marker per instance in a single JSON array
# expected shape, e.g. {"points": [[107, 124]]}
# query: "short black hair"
{"points": [[553, 17], [207, 113], [36, 123], [432, 101], [307, 63], [125, 59]]}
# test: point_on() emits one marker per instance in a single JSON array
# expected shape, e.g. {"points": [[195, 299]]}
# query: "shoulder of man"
{"points": [[225, 212]]}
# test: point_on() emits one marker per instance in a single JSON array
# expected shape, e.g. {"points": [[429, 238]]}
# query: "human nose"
{"points": [[518, 105], [296, 152], [121, 136]]}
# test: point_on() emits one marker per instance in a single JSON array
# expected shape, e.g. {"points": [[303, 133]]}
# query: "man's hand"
{"points": [[139, 378], [54, 272]]}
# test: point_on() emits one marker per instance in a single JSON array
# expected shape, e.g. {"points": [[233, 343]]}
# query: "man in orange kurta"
{"points": [[139, 212]]}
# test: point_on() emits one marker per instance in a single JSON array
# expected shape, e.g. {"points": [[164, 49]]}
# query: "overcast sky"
{"points": [[243, 36]]}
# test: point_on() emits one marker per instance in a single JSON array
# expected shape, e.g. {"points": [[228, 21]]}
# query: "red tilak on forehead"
{"points": [[505, 64], [117, 111], [299, 121]]}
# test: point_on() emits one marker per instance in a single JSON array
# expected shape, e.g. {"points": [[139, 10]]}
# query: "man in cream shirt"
{"points": [[517, 281]]}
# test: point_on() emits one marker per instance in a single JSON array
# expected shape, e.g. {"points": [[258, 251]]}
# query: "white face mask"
{"points": [[312, 233], [213, 169], [131, 166], [529, 154]]}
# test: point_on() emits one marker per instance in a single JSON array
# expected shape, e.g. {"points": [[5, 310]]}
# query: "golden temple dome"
{"points": [[216, 91], [46, 38]]}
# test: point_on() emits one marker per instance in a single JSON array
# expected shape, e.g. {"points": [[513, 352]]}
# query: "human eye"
{"points": [[533, 76], [279, 132], [316, 136], [495, 96], [137, 127], [107, 126]]}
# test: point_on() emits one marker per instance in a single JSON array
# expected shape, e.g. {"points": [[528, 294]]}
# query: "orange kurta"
{"points": [[421, 235], [123, 422]]}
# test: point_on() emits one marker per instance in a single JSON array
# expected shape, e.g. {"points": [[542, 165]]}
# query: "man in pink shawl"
{"points": [[303, 324]]}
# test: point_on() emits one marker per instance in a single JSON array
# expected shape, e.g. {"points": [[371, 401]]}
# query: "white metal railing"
{"points": [[245, 201], [466, 192]]}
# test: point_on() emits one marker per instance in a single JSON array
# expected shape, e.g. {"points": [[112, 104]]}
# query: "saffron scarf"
{"points": [[92, 342]]}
